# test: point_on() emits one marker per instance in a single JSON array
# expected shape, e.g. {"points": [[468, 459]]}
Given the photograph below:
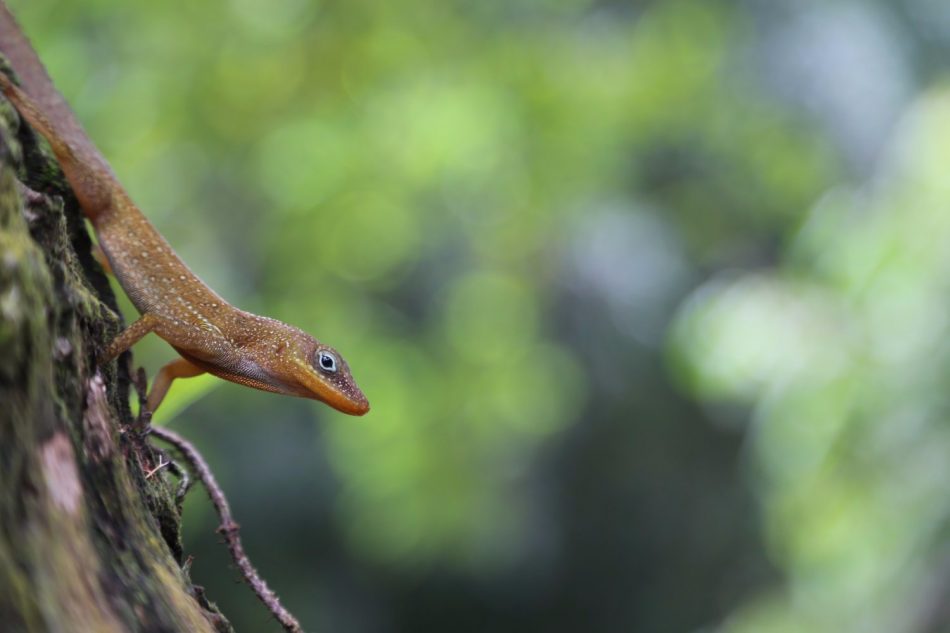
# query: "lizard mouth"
{"points": [[342, 394], [349, 403], [350, 406]]}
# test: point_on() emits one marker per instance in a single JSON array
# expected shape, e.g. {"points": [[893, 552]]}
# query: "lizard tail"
{"points": [[46, 111]]}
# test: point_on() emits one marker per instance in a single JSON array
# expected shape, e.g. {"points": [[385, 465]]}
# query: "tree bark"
{"points": [[89, 536]]}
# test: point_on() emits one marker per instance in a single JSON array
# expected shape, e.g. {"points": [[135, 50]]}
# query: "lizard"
{"points": [[208, 333]]}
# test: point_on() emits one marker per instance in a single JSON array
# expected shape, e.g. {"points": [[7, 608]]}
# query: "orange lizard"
{"points": [[209, 334]]}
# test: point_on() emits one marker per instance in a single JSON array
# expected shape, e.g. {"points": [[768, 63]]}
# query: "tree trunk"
{"points": [[89, 536]]}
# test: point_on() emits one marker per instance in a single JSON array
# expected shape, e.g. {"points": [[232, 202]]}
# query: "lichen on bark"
{"points": [[87, 541]]}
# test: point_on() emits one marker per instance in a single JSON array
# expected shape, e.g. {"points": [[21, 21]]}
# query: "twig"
{"points": [[161, 464], [184, 482], [229, 528]]}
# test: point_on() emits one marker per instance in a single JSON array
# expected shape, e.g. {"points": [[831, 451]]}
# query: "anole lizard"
{"points": [[210, 334]]}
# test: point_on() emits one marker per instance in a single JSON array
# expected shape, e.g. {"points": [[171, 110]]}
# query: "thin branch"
{"points": [[228, 527], [161, 464], [184, 482]]}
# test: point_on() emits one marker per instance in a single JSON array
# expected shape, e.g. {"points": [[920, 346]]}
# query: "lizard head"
{"points": [[323, 375], [285, 359], [305, 367]]}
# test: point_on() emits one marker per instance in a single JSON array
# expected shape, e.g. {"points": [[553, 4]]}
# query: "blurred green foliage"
{"points": [[843, 353], [648, 307]]}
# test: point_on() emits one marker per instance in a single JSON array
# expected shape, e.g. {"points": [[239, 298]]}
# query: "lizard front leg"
{"points": [[128, 337], [178, 368]]}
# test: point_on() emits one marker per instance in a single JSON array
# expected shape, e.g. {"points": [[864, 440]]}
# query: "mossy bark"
{"points": [[89, 539]]}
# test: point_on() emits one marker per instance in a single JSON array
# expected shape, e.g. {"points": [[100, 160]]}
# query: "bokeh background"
{"points": [[650, 300]]}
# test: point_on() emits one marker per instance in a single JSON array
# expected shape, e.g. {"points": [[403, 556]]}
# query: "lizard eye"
{"points": [[327, 362]]}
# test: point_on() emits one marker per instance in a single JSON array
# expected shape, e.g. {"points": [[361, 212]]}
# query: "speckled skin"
{"points": [[210, 334]]}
